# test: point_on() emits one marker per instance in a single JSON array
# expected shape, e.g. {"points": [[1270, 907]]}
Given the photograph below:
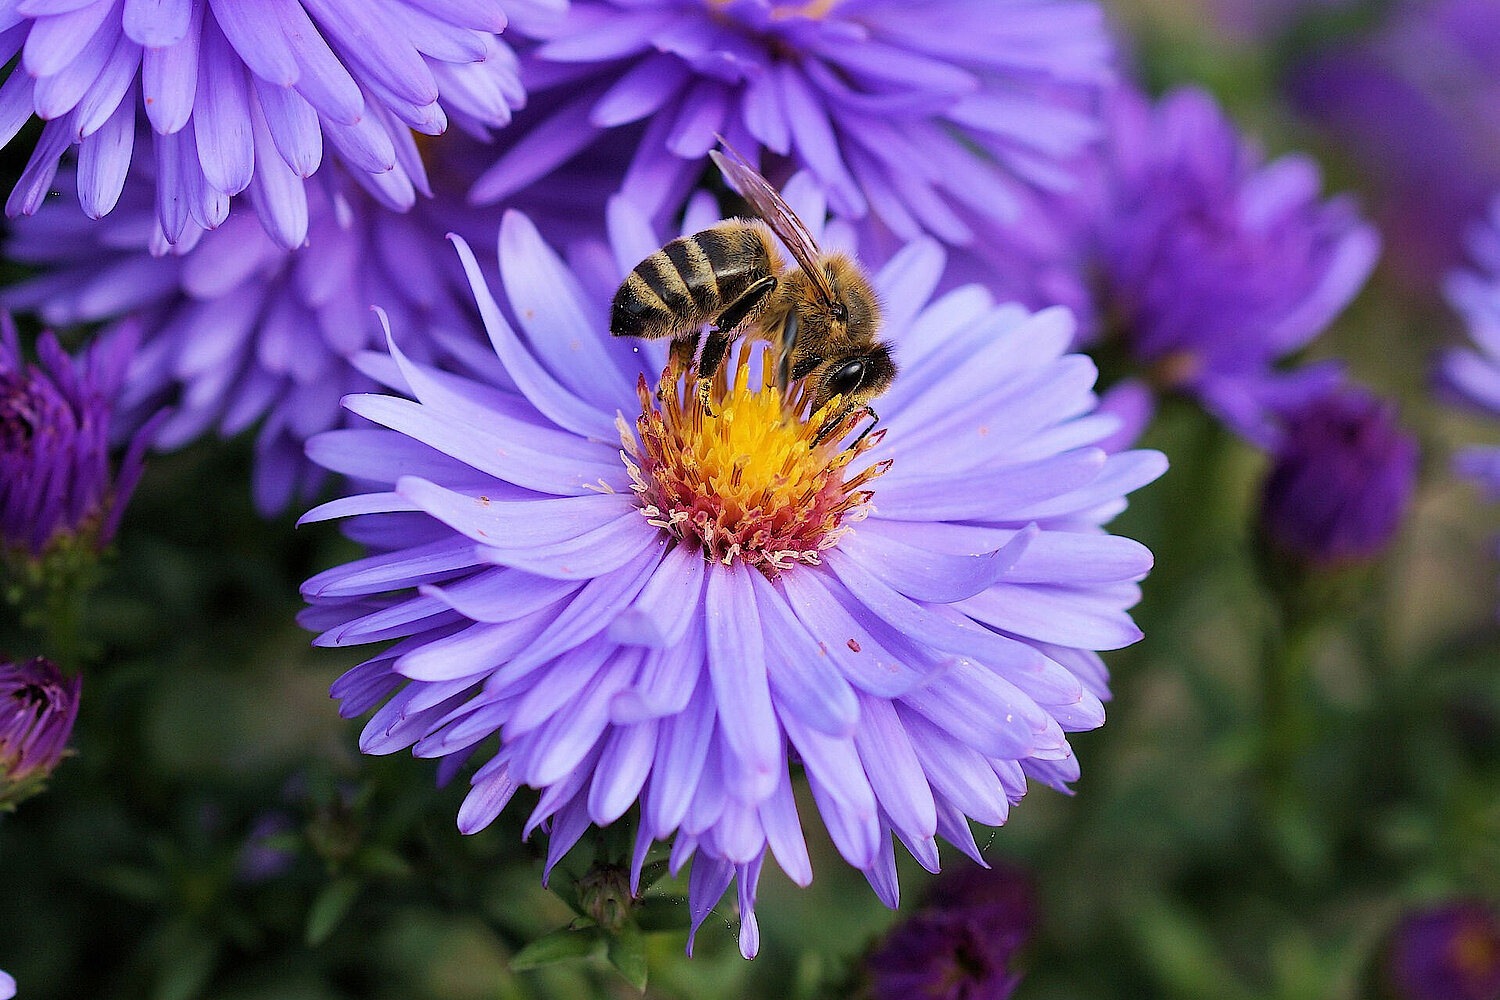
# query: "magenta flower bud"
{"points": [[1341, 480], [37, 708]]}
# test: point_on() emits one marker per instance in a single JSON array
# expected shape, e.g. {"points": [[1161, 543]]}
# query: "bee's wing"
{"points": [[776, 213]]}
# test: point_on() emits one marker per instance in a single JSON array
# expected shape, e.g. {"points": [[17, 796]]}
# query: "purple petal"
{"points": [[157, 24], [169, 78], [737, 667], [844, 641]]}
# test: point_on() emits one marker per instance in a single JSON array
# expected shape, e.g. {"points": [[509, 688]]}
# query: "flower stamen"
{"points": [[748, 472]]}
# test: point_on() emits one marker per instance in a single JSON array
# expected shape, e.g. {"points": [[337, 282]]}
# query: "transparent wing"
{"points": [[777, 214]]}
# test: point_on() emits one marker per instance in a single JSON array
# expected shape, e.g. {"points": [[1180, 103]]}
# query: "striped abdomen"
{"points": [[690, 281]]}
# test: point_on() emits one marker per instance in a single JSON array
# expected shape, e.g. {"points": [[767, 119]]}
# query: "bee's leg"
{"points": [[788, 344], [679, 360], [874, 420], [837, 420], [708, 363], [725, 329]]}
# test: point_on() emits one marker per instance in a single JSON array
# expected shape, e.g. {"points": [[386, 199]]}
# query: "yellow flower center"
{"points": [[749, 475]]}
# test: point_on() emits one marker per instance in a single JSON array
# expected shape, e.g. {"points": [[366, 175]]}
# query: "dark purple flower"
{"points": [[651, 604], [1446, 952], [962, 945], [37, 708], [236, 329], [57, 486], [1341, 480], [1214, 265], [241, 97], [934, 118], [1472, 374], [1417, 105]]}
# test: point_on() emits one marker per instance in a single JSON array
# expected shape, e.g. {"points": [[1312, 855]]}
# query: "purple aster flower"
{"points": [[963, 944], [668, 607], [933, 118], [242, 97], [1446, 952], [1215, 265], [1341, 480], [1417, 105], [57, 487], [37, 708], [236, 329], [1472, 374]]}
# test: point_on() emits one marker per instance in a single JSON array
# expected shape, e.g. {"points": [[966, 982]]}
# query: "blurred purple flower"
{"points": [[38, 706], [1214, 265], [237, 329], [1417, 105], [7, 985], [1450, 951], [261, 858], [1341, 480], [1472, 374], [963, 944], [56, 484], [932, 118], [544, 585], [241, 96]]}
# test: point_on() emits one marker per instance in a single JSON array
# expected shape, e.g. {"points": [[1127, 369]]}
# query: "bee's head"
{"points": [[856, 377], [850, 319]]}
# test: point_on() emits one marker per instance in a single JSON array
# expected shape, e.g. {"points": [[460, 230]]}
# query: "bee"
{"points": [[822, 315]]}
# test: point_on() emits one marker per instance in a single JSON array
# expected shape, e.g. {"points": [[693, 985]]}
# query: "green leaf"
{"points": [[382, 862], [662, 913], [330, 908], [627, 953], [559, 946]]}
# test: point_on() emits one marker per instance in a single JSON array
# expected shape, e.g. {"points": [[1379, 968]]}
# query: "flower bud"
{"points": [[1341, 480], [962, 944], [37, 708]]}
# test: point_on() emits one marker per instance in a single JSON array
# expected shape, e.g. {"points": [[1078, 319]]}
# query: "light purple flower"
{"points": [[57, 486], [242, 97], [38, 707], [7, 985], [1214, 266], [1472, 374], [236, 329], [934, 118], [919, 641]]}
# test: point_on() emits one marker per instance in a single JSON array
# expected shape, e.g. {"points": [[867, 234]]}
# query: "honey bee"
{"points": [[822, 315]]}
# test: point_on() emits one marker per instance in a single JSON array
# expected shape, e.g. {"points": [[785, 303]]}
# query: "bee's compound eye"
{"points": [[846, 378]]}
